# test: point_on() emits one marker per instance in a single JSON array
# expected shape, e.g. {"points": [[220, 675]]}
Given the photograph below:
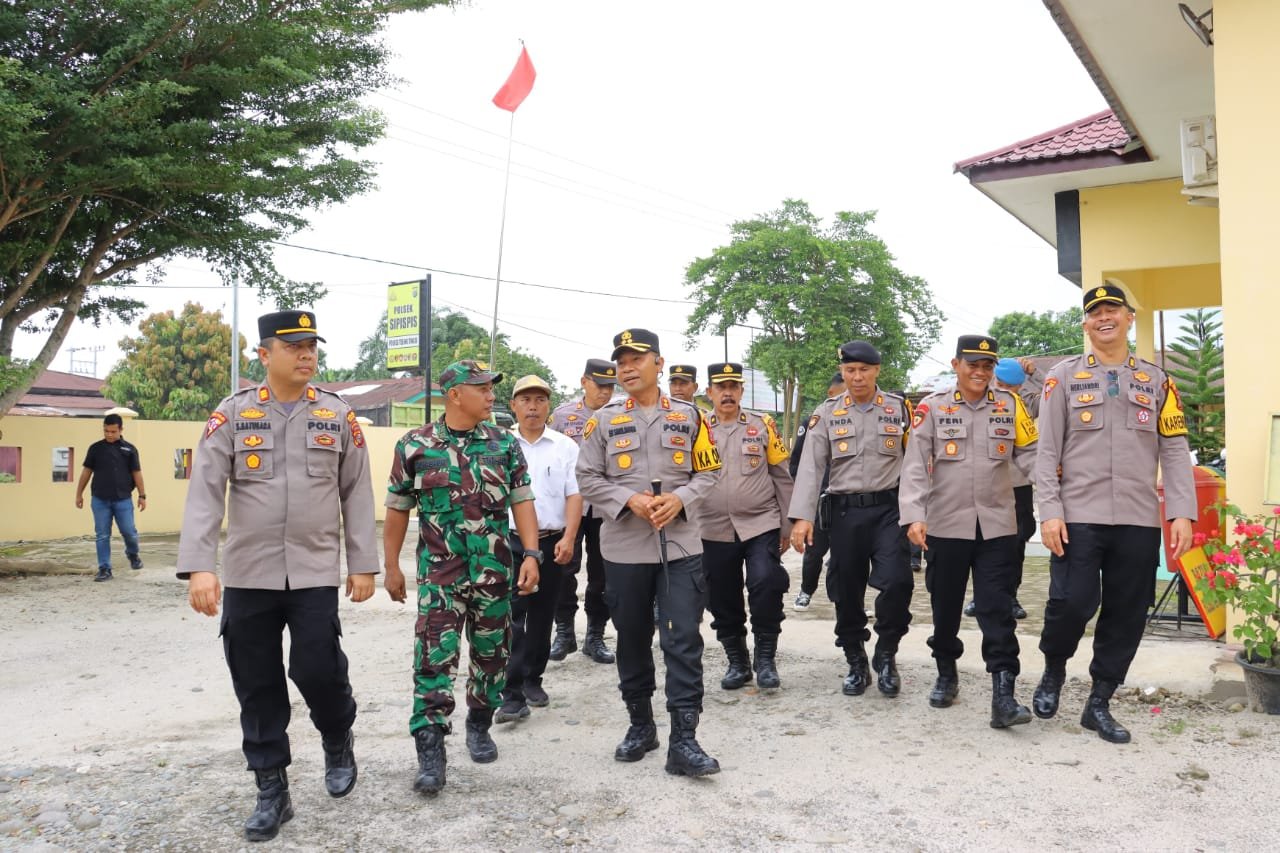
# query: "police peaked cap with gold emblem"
{"points": [[288, 326], [601, 372], [977, 347], [635, 340], [683, 371], [860, 351], [1107, 293], [467, 372], [724, 371]]}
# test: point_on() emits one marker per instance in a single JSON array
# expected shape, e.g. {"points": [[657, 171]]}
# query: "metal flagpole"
{"points": [[235, 336], [502, 230]]}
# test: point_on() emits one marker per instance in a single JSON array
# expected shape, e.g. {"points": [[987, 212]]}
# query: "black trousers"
{"points": [[532, 618], [253, 623], [947, 576], [869, 546], [811, 565], [593, 599], [766, 581], [1109, 564], [681, 594], [1024, 512]]}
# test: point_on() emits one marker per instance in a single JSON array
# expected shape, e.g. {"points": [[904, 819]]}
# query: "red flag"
{"points": [[518, 85]]}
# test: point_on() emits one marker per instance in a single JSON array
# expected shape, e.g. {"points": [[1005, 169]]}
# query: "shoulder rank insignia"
{"points": [[264, 394]]}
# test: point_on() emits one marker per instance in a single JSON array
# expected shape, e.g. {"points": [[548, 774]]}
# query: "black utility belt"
{"points": [[863, 499], [543, 534]]}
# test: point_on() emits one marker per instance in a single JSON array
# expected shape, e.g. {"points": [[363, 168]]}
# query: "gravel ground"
{"points": [[120, 734]]}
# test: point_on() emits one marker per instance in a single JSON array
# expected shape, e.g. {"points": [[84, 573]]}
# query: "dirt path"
{"points": [[120, 734]]}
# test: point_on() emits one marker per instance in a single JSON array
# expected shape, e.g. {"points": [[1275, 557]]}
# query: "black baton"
{"points": [[656, 487]]}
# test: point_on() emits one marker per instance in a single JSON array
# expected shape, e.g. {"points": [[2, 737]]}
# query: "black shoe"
{"points": [[564, 641], [1049, 691], [1019, 612], [135, 563], [971, 608], [104, 574], [536, 696], [947, 687], [641, 736], [274, 806], [915, 566], [429, 742], [479, 742], [685, 757], [886, 668], [739, 671], [339, 764], [593, 645], [765, 664], [511, 710], [855, 683], [1005, 710], [1097, 715]]}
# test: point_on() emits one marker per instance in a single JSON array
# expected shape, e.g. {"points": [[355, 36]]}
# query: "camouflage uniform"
{"points": [[462, 487]]}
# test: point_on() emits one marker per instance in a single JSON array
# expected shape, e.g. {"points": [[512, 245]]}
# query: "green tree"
{"points": [[810, 288], [1048, 333], [137, 130], [1196, 364], [177, 369]]}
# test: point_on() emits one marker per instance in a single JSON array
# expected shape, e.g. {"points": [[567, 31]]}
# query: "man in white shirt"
{"points": [[551, 458]]}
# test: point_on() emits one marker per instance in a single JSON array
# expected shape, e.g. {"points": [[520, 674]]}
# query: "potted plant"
{"points": [[1244, 575]]}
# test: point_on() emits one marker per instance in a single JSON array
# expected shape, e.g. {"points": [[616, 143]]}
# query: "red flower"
{"points": [[1198, 539], [1229, 579], [1218, 558], [1214, 533]]}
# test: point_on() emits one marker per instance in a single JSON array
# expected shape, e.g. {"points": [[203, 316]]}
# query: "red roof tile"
{"points": [[1101, 132]]}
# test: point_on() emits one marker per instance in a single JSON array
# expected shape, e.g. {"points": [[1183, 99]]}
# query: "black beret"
{"points": [[859, 351]]}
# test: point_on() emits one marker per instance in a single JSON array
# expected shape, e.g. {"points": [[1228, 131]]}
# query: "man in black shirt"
{"points": [[115, 468]]}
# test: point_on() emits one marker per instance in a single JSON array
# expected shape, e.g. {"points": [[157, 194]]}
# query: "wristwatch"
{"points": [[142, 497], [535, 553]]}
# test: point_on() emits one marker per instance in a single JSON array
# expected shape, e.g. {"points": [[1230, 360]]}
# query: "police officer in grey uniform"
{"points": [[811, 566], [599, 378], [682, 380], [744, 523], [956, 501], [861, 433], [1106, 421], [295, 458], [646, 463]]}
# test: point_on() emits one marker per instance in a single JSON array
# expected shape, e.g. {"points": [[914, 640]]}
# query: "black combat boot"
{"points": [[855, 683], [339, 763], [429, 741], [641, 736], [593, 645], [684, 756], [765, 665], [479, 742], [947, 687], [1005, 710], [274, 806], [1049, 691], [1097, 714], [886, 669], [739, 671], [564, 641]]}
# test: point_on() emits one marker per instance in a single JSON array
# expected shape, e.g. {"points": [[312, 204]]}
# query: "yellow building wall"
{"points": [[1247, 74], [1161, 250], [39, 508]]}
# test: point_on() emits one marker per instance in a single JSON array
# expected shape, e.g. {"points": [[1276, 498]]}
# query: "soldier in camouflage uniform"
{"points": [[462, 474]]}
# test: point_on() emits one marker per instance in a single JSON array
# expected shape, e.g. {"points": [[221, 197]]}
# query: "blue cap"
{"points": [[1009, 371]]}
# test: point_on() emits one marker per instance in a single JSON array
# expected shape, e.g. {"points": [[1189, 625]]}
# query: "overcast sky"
{"points": [[652, 127]]}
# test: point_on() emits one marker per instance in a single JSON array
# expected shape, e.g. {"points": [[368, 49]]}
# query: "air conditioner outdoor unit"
{"points": [[1199, 152]]}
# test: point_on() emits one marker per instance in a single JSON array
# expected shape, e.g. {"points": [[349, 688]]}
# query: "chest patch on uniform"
{"points": [[1083, 374], [842, 446], [1086, 398], [891, 443], [1141, 376], [252, 440], [1144, 416], [752, 431], [492, 459], [624, 461], [840, 412], [755, 461], [948, 410], [1086, 417], [572, 417], [1002, 431], [621, 419], [678, 440], [622, 442], [323, 414], [842, 431], [1001, 447], [433, 463], [253, 461], [952, 448], [677, 416], [326, 440], [1143, 399], [251, 414], [677, 457], [1001, 406], [892, 429], [621, 431]]}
